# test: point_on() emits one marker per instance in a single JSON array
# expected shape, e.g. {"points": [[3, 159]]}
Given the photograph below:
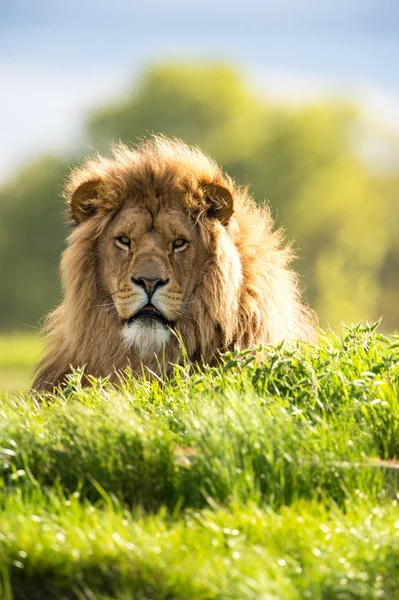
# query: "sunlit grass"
{"points": [[60, 546], [272, 476], [19, 352]]}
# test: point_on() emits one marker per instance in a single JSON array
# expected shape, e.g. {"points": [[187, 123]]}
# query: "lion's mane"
{"points": [[236, 304]]}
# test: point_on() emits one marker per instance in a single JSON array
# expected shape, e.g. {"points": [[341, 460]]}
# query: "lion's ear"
{"points": [[220, 202], [85, 200]]}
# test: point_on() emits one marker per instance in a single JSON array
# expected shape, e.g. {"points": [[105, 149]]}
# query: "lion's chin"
{"points": [[146, 336]]}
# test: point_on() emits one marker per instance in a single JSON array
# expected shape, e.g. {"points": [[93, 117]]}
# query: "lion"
{"points": [[167, 253]]}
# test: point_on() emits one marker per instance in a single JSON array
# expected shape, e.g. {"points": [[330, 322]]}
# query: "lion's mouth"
{"points": [[149, 311]]}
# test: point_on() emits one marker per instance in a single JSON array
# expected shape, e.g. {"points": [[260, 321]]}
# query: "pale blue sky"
{"points": [[59, 59]]}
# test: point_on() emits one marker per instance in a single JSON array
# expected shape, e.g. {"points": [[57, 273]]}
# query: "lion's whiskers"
{"points": [[103, 305]]}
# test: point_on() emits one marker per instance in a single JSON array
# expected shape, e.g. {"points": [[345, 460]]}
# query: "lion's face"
{"points": [[150, 265], [154, 234]]}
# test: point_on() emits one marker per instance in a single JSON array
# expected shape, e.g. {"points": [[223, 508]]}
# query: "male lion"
{"points": [[167, 251]]}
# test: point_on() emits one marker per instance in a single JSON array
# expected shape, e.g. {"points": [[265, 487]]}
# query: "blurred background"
{"points": [[300, 100]]}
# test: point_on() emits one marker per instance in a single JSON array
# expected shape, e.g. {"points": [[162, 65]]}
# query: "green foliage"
{"points": [[304, 161], [205, 105], [242, 553], [332, 206], [268, 476], [31, 240]]}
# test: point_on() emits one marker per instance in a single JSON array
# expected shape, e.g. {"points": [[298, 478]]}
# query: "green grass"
{"points": [[272, 476], [19, 352]]}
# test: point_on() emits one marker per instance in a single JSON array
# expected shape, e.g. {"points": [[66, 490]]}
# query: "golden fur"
{"points": [[164, 216]]}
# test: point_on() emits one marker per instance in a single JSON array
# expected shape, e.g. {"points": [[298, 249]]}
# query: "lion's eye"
{"points": [[123, 242], [179, 245]]}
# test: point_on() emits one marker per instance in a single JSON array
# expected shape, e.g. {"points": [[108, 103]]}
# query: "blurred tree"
{"points": [[31, 240], [209, 106], [331, 205], [304, 161], [388, 305]]}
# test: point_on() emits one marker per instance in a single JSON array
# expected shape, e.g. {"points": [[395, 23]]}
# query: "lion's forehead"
{"points": [[138, 222]]}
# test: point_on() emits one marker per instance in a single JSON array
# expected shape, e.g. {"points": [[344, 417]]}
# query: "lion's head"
{"points": [[149, 256], [166, 251]]}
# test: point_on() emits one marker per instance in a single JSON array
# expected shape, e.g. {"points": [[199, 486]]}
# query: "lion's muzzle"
{"points": [[149, 311], [150, 284]]}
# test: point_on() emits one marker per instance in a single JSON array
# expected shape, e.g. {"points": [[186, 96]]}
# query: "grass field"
{"points": [[270, 478], [18, 355]]}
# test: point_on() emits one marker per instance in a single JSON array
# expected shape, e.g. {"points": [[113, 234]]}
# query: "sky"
{"points": [[61, 59]]}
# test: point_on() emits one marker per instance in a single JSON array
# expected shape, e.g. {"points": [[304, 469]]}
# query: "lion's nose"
{"points": [[150, 284]]}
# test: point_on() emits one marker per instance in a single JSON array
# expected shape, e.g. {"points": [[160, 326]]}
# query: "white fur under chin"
{"points": [[146, 336]]}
